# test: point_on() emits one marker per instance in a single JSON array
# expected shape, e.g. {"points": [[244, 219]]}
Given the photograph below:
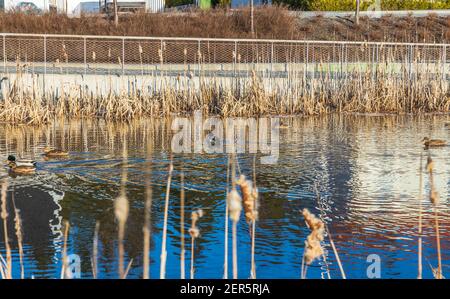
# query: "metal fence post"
{"points": [[85, 59], [199, 57], [123, 56], [4, 54], [45, 60], [307, 61], [444, 62], [271, 60]]}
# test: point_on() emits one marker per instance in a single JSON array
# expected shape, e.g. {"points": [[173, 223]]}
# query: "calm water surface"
{"points": [[366, 169]]}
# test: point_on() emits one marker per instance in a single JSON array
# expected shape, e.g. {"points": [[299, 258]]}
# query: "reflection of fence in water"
{"points": [[62, 53]]}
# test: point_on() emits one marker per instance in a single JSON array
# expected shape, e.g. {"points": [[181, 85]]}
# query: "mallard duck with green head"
{"points": [[12, 160]]}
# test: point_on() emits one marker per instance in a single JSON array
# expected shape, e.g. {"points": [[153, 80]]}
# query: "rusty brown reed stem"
{"points": [[147, 212], [64, 252], [162, 274], [434, 198], [4, 216]]}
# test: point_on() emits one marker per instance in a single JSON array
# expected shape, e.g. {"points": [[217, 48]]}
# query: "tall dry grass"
{"points": [[270, 22], [374, 90]]}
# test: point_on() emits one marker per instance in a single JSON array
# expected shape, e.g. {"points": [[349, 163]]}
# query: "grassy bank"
{"points": [[270, 23]]}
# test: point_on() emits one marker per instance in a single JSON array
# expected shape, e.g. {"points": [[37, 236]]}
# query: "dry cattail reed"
{"points": [[64, 252], [121, 208], [182, 254], [419, 245], [4, 216], [313, 248], [18, 228], [95, 251], [162, 274], [336, 254], [225, 262], [249, 199], [147, 212], [194, 232], [434, 198], [235, 208]]}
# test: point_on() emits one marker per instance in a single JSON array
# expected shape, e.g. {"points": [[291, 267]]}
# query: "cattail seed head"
{"points": [[121, 208], [430, 165], [234, 205], [195, 216], [250, 196], [313, 248]]}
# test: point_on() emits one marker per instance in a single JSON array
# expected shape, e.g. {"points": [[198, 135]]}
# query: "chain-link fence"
{"points": [[122, 56]]}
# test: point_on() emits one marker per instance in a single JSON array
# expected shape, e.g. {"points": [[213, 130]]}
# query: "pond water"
{"points": [[366, 169]]}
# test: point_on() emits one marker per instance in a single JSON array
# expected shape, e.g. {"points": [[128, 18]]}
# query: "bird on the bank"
{"points": [[51, 153], [433, 142], [20, 162]]}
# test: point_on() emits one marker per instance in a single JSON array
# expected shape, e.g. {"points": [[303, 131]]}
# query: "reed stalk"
{"points": [[147, 213], [4, 216], [121, 209], [327, 230], [19, 235], [313, 248], [434, 198], [419, 245], [64, 252], [235, 208], [162, 274], [194, 232], [225, 262], [95, 251], [182, 254]]}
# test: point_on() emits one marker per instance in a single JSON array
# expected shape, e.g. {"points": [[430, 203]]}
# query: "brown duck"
{"points": [[433, 142], [52, 153], [22, 169]]}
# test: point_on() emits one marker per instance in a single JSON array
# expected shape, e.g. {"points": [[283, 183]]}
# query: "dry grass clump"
{"points": [[270, 22], [313, 247]]}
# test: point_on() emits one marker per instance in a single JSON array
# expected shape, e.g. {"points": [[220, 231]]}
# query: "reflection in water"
{"points": [[366, 169]]}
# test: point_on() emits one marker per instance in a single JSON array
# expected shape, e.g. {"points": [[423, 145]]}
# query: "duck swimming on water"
{"points": [[48, 152], [433, 142], [22, 169], [21, 162]]}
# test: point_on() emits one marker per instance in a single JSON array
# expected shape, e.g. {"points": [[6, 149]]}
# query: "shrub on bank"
{"points": [[348, 5]]}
